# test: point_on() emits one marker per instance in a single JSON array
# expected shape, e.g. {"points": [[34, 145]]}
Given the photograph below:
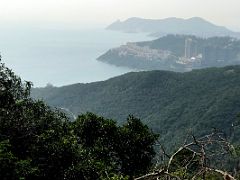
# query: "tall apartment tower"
{"points": [[190, 48], [188, 44]]}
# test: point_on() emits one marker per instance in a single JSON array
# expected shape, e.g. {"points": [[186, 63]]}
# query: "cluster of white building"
{"points": [[131, 49], [190, 59]]}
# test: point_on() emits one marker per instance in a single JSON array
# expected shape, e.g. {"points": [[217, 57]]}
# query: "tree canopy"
{"points": [[39, 142]]}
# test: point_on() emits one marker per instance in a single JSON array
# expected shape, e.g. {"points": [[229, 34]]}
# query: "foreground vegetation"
{"points": [[39, 142]]}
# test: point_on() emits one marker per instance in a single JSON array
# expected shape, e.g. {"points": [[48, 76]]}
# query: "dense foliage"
{"points": [[173, 104], [38, 142]]}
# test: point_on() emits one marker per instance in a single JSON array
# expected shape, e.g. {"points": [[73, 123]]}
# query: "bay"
{"points": [[62, 57]]}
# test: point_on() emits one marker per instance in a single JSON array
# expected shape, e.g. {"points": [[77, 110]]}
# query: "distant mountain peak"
{"points": [[199, 20], [134, 18], [196, 18]]}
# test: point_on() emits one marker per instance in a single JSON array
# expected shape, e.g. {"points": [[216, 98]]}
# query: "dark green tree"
{"points": [[39, 142], [127, 149], [36, 141], [136, 147]]}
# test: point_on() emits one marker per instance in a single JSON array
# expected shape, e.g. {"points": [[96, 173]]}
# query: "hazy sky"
{"points": [[74, 13]]}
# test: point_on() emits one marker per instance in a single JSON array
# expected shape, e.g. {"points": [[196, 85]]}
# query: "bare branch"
{"points": [[202, 150]]}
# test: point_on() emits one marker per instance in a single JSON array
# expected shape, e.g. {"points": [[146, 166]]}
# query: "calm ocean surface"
{"points": [[62, 57]]}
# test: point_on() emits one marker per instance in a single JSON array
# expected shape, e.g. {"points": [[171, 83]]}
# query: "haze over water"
{"points": [[64, 56], [61, 57]]}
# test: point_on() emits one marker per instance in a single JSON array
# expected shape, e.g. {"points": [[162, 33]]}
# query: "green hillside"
{"points": [[171, 103]]}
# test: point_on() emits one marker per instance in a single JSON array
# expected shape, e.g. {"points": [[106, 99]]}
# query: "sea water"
{"points": [[62, 57]]}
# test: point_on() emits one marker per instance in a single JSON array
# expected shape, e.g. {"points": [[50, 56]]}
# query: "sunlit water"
{"points": [[62, 57]]}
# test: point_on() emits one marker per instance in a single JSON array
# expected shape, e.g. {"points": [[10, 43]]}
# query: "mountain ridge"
{"points": [[172, 104], [159, 27]]}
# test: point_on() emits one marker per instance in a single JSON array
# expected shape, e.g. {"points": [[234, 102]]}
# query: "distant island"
{"points": [[176, 53], [160, 27]]}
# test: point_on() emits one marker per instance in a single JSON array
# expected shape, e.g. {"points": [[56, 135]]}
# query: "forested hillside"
{"points": [[173, 104]]}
